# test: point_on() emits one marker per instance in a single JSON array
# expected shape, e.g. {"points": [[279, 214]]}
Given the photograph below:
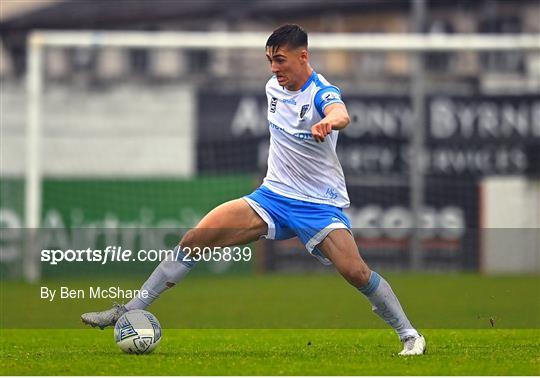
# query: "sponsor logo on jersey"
{"points": [[274, 126], [273, 104], [303, 136], [289, 101]]}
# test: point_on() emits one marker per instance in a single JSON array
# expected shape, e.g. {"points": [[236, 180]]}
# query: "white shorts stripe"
{"points": [[265, 216]]}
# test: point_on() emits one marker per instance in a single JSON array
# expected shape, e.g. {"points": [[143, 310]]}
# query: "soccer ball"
{"points": [[137, 332]]}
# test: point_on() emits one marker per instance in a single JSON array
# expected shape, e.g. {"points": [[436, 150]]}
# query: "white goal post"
{"points": [[38, 40]]}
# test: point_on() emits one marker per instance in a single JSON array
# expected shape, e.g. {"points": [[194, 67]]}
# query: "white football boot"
{"points": [[413, 346], [105, 318]]}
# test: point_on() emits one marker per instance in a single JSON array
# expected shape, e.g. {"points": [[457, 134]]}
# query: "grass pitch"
{"points": [[284, 325], [272, 352]]}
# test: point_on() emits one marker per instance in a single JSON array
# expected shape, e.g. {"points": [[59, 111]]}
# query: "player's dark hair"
{"points": [[290, 35]]}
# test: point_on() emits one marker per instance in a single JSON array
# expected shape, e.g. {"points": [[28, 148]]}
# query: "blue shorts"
{"points": [[289, 217]]}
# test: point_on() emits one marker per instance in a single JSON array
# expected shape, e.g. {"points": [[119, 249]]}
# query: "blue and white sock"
{"points": [[386, 305], [167, 274]]}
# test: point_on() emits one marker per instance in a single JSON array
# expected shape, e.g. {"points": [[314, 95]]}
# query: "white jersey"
{"points": [[298, 166]]}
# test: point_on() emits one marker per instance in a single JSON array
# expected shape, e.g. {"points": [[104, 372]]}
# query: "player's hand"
{"points": [[321, 130]]}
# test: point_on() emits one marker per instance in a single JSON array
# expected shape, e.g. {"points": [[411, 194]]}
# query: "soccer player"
{"points": [[303, 193]]}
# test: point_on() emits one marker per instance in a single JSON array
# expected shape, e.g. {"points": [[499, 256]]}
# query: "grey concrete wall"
{"points": [[126, 130], [511, 221]]}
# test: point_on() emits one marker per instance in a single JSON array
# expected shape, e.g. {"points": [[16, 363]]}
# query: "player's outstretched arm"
{"points": [[336, 118]]}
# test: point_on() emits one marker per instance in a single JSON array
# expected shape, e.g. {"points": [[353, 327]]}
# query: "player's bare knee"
{"points": [[357, 276], [190, 240], [364, 275]]}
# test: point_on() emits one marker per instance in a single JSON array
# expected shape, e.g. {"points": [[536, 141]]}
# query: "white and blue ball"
{"points": [[137, 332]]}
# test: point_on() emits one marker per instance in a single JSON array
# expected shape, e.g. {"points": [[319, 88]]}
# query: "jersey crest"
{"points": [[303, 111]]}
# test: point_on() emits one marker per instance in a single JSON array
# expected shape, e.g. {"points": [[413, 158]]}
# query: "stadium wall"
{"points": [[118, 131], [510, 218]]}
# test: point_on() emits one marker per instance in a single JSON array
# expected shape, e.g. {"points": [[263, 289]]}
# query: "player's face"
{"points": [[288, 65]]}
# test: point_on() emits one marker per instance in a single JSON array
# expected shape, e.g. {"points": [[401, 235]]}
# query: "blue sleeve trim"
{"points": [[326, 96]]}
